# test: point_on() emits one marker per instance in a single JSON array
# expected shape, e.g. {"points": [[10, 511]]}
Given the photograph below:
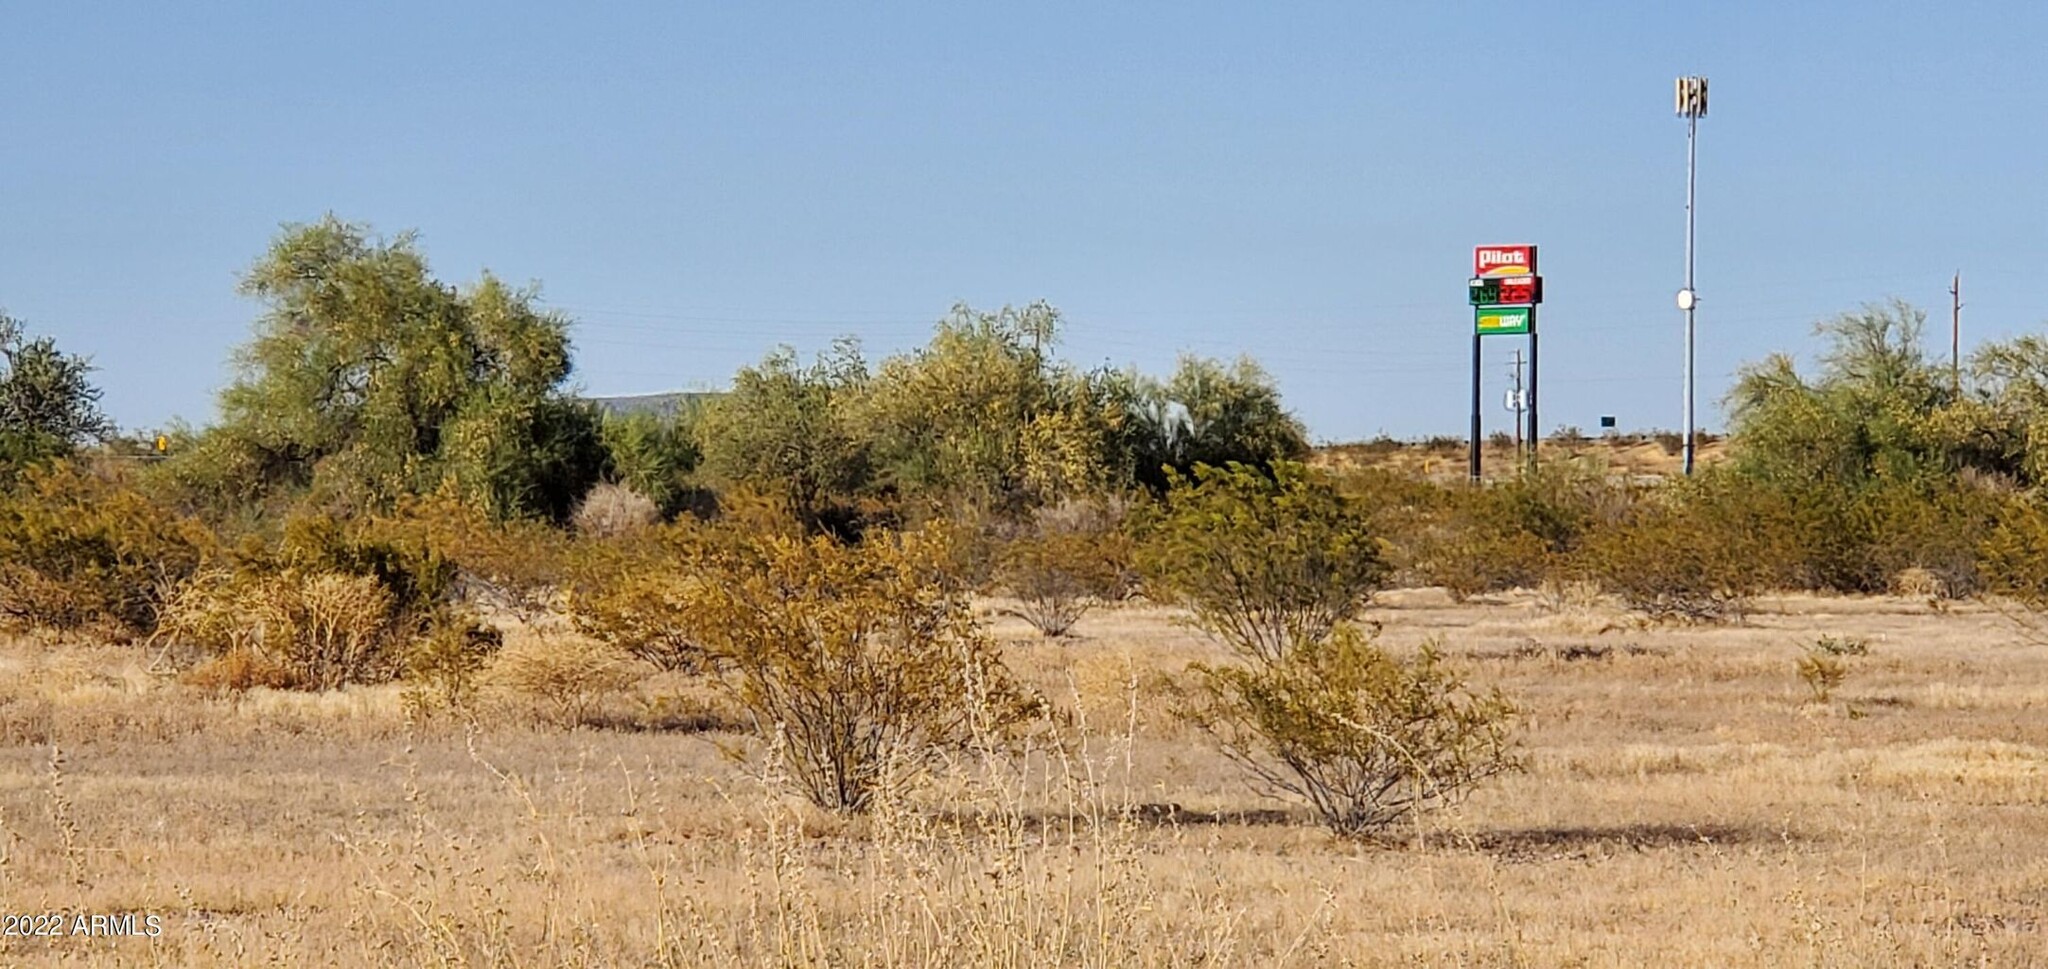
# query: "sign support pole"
{"points": [[1504, 290], [1535, 435], [1475, 406]]}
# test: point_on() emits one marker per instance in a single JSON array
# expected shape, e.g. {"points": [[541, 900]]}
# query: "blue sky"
{"points": [[1300, 182]]}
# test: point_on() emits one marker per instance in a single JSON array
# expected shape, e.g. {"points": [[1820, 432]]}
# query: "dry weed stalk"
{"points": [[63, 818]]}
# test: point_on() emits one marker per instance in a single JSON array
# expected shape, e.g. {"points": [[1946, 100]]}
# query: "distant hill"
{"points": [[653, 403]]}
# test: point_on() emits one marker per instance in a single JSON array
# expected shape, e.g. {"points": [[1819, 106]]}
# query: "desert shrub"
{"points": [[1072, 556], [854, 657], [327, 629], [1698, 552], [631, 594], [2015, 564], [1406, 511], [237, 671], [1821, 667], [1263, 562], [1466, 559], [1937, 529], [442, 668], [641, 613], [613, 509], [1518, 532], [429, 551], [563, 677], [79, 549], [1271, 567], [402, 553], [1842, 646], [1363, 737], [1058, 576]]}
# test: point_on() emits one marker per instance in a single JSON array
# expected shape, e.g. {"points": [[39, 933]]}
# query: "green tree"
{"points": [[2010, 424], [792, 432], [979, 415], [1215, 414], [1877, 410], [369, 379], [654, 454], [47, 406]]}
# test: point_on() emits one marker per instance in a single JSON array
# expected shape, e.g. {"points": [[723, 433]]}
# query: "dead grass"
{"points": [[1686, 805]]}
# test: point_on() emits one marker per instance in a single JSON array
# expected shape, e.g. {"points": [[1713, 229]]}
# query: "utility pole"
{"points": [[1692, 106], [1955, 333], [1516, 402]]}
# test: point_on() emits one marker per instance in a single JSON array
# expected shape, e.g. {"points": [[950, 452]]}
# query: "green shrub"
{"points": [[1364, 738], [1263, 562], [852, 659], [1518, 532], [654, 454], [1698, 552]]}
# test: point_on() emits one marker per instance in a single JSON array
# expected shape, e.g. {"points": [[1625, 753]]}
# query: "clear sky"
{"points": [[1301, 182]]}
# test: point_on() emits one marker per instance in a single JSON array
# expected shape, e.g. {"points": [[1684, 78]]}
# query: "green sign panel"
{"points": [[1503, 319]]}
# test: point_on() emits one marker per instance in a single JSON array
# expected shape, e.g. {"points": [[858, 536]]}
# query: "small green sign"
{"points": [[1503, 319]]}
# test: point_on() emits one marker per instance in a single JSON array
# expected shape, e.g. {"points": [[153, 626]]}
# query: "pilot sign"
{"points": [[1492, 261]]}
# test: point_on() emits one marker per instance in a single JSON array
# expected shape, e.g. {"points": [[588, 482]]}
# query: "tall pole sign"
{"points": [[1692, 106], [1504, 290]]}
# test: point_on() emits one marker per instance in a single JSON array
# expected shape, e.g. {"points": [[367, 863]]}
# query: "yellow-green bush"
{"points": [[1363, 737], [1262, 561], [630, 593], [1071, 557], [851, 659], [2015, 560], [80, 549], [1697, 552], [441, 667], [1517, 532], [563, 677], [327, 629]]}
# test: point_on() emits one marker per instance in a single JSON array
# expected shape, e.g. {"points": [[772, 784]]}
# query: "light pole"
{"points": [[1692, 106]]}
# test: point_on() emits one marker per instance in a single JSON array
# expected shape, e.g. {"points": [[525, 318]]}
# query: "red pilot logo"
{"points": [[1496, 261]]}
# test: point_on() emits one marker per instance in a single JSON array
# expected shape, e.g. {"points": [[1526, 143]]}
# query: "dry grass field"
{"points": [[1625, 455], [1686, 804]]}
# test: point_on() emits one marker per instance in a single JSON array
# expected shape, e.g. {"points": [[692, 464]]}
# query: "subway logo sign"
{"points": [[1503, 319]]}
